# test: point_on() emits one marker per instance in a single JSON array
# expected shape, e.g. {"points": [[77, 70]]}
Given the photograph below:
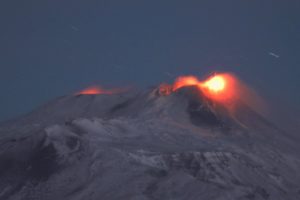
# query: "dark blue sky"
{"points": [[55, 47]]}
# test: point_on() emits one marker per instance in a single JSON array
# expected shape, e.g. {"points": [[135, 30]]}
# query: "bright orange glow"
{"points": [[216, 83], [221, 87], [94, 90]]}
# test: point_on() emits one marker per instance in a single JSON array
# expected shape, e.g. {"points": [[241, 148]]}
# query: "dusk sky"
{"points": [[51, 48]]}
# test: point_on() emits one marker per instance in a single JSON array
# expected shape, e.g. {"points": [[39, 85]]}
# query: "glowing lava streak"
{"points": [[184, 81], [98, 90]]}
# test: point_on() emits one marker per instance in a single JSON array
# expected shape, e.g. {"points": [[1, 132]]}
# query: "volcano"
{"points": [[146, 145]]}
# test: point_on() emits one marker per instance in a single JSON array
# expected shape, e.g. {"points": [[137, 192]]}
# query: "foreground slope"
{"points": [[145, 145]]}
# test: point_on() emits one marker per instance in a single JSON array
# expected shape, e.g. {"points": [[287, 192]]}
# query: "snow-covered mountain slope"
{"points": [[145, 145]]}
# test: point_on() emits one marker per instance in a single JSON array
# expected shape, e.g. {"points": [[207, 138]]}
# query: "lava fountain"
{"points": [[219, 87]]}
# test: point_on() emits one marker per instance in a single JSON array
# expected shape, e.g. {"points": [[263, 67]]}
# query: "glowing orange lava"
{"points": [[99, 90], [183, 81]]}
